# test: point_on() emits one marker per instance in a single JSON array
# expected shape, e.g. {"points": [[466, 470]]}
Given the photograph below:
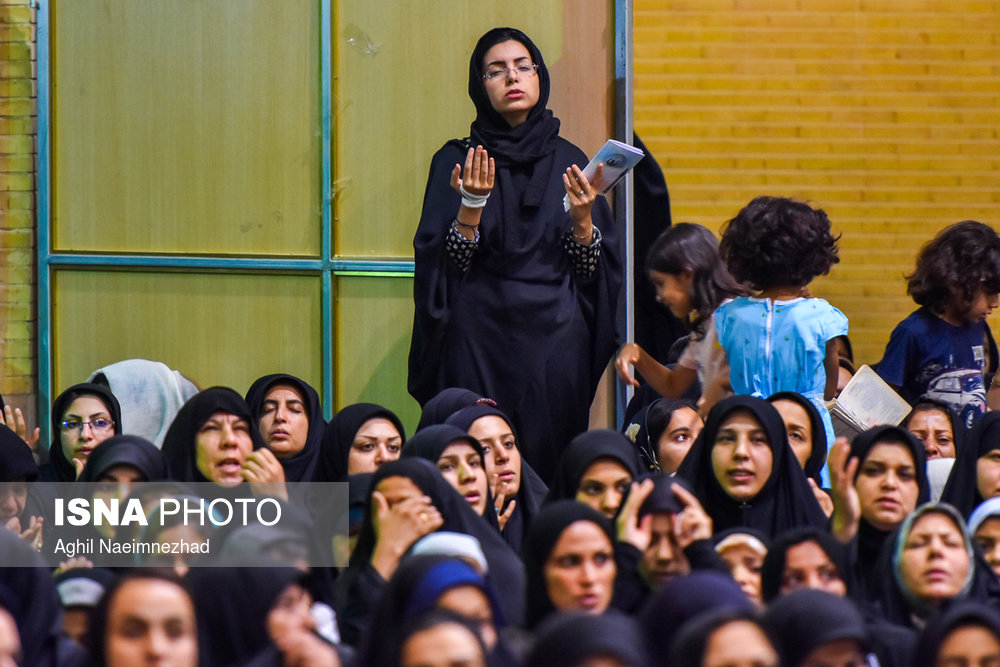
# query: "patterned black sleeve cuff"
{"points": [[583, 257], [459, 248]]}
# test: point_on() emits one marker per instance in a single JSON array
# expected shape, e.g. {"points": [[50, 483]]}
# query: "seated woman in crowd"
{"points": [[975, 476], [663, 433], [597, 469], [359, 439], [744, 473], [518, 491], [83, 416], [812, 627], [984, 528], [583, 640], [806, 433], [289, 417], [937, 426], [967, 633], [723, 637]]}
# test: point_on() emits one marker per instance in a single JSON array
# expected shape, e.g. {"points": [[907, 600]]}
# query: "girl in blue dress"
{"points": [[782, 339]]}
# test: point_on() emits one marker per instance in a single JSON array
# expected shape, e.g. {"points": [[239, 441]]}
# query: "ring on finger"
{"points": [[581, 193], [423, 516]]}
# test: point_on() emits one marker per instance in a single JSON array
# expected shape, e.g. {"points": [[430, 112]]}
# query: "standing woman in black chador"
{"points": [[515, 298]]}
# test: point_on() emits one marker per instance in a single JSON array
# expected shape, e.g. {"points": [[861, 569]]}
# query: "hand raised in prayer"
{"points": [[846, 503], [479, 173], [13, 419]]}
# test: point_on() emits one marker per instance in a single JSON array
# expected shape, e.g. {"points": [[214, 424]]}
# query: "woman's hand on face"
{"points": [[693, 523], [478, 175], [581, 193], [399, 526], [266, 475], [631, 529], [503, 513]]}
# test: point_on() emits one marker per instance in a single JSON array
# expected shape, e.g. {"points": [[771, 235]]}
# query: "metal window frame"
{"points": [[327, 267]]}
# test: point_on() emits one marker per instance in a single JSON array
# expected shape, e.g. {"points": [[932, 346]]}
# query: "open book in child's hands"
{"points": [[865, 402], [618, 158]]}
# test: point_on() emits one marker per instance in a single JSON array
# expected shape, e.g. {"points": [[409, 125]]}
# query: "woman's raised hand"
{"points": [[846, 503], [478, 175], [581, 193]]}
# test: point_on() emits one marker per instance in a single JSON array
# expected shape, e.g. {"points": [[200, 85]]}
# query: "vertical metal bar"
{"points": [[326, 120], [623, 195], [43, 222]]}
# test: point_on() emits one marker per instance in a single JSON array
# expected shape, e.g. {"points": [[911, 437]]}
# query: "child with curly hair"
{"points": [[782, 339], [944, 349]]}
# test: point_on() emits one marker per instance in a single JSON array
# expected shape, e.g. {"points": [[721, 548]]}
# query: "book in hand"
{"points": [[865, 402], [618, 158]]}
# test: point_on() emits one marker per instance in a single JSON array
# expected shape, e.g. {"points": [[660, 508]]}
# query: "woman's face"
{"points": [[988, 474], [513, 94], [674, 291], [988, 538], [972, 645], [887, 485], [187, 536], [290, 615], [376, 442], [151, 622], [500, 454], [580, 571], [745, 564], [222, 445], [934, 562], [603, 485], [808, 566], [739, 644], [284, 421], [933, 428], [85, 424], [676, 440], [471, 602], [741, 456], [443, 645], [799, 428], [462, 466]]}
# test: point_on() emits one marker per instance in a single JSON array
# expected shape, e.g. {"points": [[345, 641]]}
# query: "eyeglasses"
{"points": [[97, 426], [521, 70]]}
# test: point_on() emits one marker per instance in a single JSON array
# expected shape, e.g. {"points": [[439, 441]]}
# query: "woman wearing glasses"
{"points": [[83, 416], [515, 296]]}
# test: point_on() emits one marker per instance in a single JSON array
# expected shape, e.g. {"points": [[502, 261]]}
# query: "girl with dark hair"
{"points": [[744, 473], [782, 339], [83, 416], [691, 280], [663, 433], [945, 349], [290, 419], [515, 297]]}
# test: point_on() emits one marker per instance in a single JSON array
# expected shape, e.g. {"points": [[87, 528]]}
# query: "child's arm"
{"points": [[666, 382], [832, 365]]}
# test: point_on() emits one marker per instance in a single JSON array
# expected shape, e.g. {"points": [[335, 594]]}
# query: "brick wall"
{"points": [[17, 204], [885, 113]]}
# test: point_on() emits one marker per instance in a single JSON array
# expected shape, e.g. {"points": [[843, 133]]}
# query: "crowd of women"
{"points": [[725, 524]]}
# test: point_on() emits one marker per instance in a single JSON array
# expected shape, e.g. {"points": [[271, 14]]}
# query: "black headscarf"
{"points": [[504, 566], [231, 607], [693, 637], [817, 457], [544, 532], [446, 403], [959, 615], [339, 437], [431, 442], [180, 443], [582, 452], [682, 599], [773, 570], [414, 590], [870, 539], [59, 468], [16, 461], [785, 501], [130, 450], [806, 620], [572, 639], [647, 426], [962, 489], [301, 466], [530, 494]]}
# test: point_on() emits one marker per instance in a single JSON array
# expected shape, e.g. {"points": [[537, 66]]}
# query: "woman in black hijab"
{"points": [[805, 558], [137, 453], [75, 435], [597, 469], [446, 403], [508, 473], [807, 621], [812, 458], [572, 640], [964, 634], [515, 297], [741, 483], [722, 637], [335, 458], [971, 483], [270, 409], [401, 486]]}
